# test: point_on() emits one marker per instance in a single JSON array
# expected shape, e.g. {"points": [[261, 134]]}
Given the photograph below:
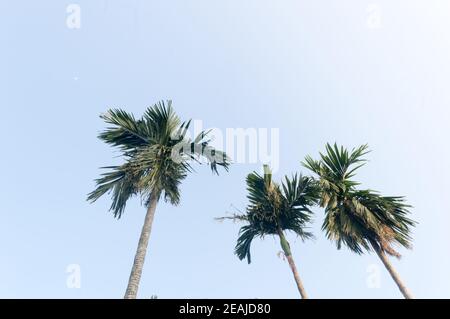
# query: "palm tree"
{"points": [[273, 210], [363, 220], [157, 156]]}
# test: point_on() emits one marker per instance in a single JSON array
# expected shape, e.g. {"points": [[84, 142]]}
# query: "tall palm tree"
{"points": [[157, 156], [273, 210], [363, 220]]}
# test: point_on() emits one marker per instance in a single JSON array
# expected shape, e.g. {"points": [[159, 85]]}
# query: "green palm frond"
{"points": [[161, 123], [121, 181], [338, 165], [301, 191], [156, 160]]}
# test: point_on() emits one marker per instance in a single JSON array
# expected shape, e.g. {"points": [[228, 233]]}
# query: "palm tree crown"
{"points": [[361, 219], [272, 209], [157, 156]]}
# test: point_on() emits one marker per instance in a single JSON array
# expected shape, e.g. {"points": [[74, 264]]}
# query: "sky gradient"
{"points": [[353, 72]]}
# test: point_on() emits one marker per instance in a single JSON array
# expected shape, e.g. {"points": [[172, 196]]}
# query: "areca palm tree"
{"points": [[362, 220], [273, 210], [157, 158]]}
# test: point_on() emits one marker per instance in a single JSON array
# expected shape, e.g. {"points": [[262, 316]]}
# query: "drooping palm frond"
{"points": [[246, 235], [156, 159], [360, 219], [121, 181], [391, 215], [272, 209]]}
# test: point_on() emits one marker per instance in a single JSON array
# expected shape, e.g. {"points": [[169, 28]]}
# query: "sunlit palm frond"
{"points": [[391, 215]]}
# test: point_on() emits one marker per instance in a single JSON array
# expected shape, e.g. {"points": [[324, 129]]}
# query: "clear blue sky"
{"points": [[348, 71]]}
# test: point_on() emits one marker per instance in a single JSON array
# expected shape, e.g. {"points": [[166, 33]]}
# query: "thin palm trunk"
{"points": [[136, 271], [287, 252], [406, 293]]}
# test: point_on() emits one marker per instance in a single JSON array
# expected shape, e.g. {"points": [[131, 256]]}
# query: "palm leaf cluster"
{"points": [[157, 154], [360, 219], [273, 209]]}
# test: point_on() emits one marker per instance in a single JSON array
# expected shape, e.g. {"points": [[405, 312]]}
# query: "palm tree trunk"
{"points": [[287, 252], [406, 293], [136, 271]]}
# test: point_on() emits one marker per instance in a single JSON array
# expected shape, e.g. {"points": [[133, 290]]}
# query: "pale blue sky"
{"points": [[317, 70]]}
